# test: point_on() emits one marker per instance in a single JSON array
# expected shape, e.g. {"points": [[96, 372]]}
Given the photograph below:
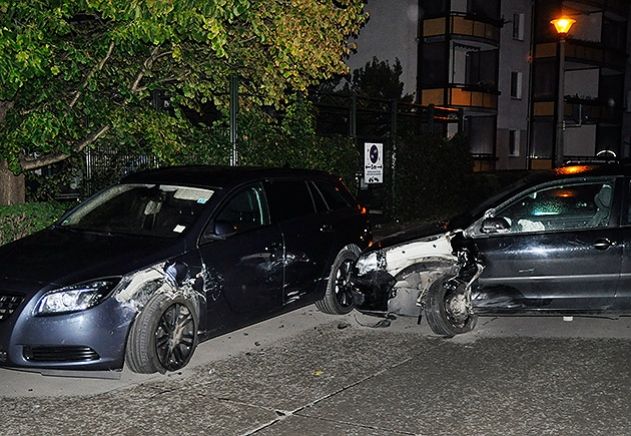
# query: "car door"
{"points": [[242, 255], [561, 250], [306, 239], [342, 222]]}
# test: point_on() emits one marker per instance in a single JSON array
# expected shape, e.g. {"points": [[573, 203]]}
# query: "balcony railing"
{"points": [[583, 51], [463, 25], [461, 96], [579, 111]]}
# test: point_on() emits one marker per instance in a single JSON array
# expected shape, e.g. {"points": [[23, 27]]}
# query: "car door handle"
{"points": [[603, 244], [326, 228]]}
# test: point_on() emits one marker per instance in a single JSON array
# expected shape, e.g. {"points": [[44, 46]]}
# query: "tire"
{"points": [[163, 336], [338, 298], [443, 321]]}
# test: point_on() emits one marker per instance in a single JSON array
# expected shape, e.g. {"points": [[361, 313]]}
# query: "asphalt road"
{"points": [[301, 374]]}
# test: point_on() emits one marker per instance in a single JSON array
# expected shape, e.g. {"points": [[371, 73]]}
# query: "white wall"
{"points": [[587, 27], [459, 6], [458, 64], [512, 114], [583, 83], [580, 141], [390, 33]]}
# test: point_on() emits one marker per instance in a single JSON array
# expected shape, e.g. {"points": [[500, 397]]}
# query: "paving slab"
{"points": [[496, 386], [140, 411], [303, 374], [301, 425]]}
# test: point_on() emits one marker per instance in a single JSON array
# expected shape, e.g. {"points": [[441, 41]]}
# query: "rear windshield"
{"points": [[139, 209]]}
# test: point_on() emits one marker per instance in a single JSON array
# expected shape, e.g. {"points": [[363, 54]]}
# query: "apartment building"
{"points": [[499, 62]]}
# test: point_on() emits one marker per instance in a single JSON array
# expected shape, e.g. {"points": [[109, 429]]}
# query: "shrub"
{"points": [[431, 174], [287, 140], [23, 219]]}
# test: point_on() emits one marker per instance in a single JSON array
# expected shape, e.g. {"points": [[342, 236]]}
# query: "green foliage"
{"points": [[23, 219], [379, 79], [273, 141], [431, 177], [70, 68]]}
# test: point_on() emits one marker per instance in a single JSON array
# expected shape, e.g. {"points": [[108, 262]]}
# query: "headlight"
{"points": [[75, 298], [367, 263]]}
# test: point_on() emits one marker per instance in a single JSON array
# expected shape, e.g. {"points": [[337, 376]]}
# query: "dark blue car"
{"points": [[144, 270]]}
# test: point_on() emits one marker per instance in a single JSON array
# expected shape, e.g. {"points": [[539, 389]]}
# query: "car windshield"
{"points": [[139, 209]]}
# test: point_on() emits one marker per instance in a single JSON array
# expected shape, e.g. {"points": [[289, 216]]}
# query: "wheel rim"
{"points": [[175, 337], [456, 309], [342, 283]]}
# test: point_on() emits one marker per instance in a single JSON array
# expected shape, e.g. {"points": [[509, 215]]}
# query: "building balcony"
{"points": [[579, 111], [583, 52], [463, 96], [463, 26], [617, 6]]}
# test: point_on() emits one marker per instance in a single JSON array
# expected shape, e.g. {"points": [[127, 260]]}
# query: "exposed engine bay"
{"points": [[397, 279]]}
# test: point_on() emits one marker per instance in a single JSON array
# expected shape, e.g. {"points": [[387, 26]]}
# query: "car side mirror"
{"points": [[223, 229], [495, 225]]}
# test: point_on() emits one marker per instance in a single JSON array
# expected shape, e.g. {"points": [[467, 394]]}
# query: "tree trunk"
{"points": [[12, 187]]}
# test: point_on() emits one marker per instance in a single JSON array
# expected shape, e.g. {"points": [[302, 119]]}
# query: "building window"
{"points": [[518, 26], [514, 142], [516, 79]]}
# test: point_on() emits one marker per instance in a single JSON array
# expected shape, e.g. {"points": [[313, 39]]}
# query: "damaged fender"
{"points": [[396, 279], [173, 279]]}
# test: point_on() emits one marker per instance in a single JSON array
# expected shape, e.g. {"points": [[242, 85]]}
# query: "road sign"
{"points": [[373, 162]]}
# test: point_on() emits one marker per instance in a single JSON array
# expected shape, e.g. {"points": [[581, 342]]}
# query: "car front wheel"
{"points": [[447, 311], [338, 298], [163, 337]]}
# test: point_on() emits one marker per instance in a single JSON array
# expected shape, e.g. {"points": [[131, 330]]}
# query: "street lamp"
{"points": [[562, 25]]}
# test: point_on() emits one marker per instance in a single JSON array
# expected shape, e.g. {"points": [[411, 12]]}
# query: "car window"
{"points": [[333, 195], [563, 207], [141, 209], [289, 199], [318, 199], [245, 211]]}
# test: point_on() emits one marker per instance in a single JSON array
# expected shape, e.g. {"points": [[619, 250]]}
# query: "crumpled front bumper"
{"points": [[371, 291]]}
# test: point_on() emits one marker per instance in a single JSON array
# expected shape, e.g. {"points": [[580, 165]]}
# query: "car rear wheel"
{"points": [[338, 299], [163, 337], [447, 311]]}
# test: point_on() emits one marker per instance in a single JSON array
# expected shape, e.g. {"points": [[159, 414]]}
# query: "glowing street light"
{"points": [[562, 25]]}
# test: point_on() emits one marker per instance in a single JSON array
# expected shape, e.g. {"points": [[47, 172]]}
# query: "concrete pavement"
{"points": [[308, 376]]}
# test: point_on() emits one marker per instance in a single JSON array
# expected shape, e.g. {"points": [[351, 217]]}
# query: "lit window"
{"points": [[516, 79], [514, 142], [518, 26]]}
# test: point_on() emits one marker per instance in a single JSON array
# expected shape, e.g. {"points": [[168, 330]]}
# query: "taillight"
{"points": [[363, 210]]}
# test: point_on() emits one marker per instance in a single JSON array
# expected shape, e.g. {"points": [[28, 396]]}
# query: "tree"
{"points": [[378, 79], [74, 72]]}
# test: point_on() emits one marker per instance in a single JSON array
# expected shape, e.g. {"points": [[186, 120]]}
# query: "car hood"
{"points": [[61, 257], [407, 235]]}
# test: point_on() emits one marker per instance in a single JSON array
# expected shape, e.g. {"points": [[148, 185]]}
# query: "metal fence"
{"points": [[103, 166], [364, 119]]}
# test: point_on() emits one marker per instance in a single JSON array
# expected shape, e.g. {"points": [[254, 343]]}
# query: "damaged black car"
{"points": [[145, 270], [555, 243]]}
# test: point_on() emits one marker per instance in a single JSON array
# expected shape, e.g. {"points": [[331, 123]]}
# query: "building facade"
{"points": [[499, 61]]}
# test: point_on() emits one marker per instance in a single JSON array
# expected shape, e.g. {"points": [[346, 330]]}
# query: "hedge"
{"points": [[23, 219]]}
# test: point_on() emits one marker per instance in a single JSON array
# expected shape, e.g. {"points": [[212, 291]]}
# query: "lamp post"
{"points": [[562, 26], [234, 110]]}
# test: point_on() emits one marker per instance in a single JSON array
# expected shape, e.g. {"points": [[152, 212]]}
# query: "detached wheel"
{"points": [[338, 299], [163, 337], [447, 312]]}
